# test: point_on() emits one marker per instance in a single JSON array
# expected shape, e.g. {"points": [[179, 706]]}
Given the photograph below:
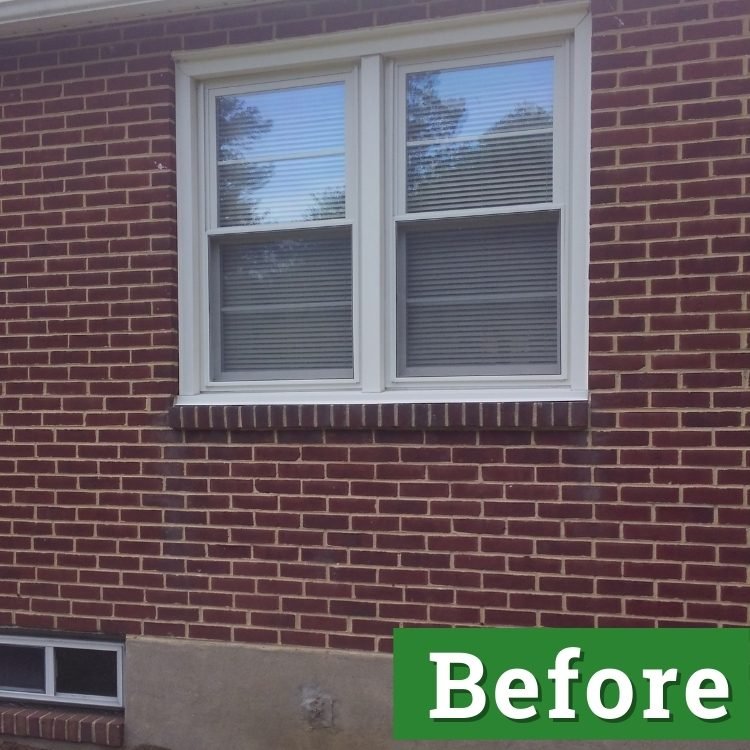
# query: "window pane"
{"points": [[21, 668], [286, 306], [479, 136], [480, 298], [280, 155], [86, 672]]}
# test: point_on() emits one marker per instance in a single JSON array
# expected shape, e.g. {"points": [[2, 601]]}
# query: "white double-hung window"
{"points": [[391, 215]]}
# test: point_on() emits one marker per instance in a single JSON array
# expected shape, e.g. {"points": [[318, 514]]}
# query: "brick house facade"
{"points": [[326, 526]]}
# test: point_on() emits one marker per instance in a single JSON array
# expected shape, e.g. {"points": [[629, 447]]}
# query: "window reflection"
{"points": [[281, 155], [479, 136]]}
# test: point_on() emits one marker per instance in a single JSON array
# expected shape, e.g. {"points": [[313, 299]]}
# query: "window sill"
{"points": [[68, 725], [547, 415]]}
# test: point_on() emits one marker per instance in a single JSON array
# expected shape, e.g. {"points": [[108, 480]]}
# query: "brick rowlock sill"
{"points": [[557, 415], [52, 723]]}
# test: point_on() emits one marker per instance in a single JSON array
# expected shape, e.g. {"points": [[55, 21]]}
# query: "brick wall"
{"points": [[112, 520]]}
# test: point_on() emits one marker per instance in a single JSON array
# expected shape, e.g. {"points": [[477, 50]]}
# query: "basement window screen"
{"points": [[396, 228], [61, 671]]}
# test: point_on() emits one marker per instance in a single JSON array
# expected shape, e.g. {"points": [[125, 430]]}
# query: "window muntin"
{"points": [[51, 670]]}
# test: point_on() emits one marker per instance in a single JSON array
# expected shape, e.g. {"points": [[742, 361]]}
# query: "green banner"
{"points": [[572, 683]]}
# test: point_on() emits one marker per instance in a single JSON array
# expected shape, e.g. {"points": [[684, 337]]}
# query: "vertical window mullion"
{"points": [[352, 209], [49, 670], [120, 675], [371, 224]]}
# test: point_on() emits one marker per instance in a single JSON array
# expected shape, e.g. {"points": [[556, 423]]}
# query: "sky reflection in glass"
{"points": [[281, 155]]}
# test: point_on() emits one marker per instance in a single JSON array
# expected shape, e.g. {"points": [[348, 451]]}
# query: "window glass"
{"points": [[21, 668], [479, 296], [280, 155], [479, 136], [286, 305], [80, 671]]}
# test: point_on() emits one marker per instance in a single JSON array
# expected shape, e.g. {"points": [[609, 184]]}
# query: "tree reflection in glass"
{"points": [[281, 155], [479, 136]]}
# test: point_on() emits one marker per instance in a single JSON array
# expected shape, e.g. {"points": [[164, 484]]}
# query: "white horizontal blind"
{"points": [[480, 297], [285, 306], [479, 136], [280, 155], [512, 169]]}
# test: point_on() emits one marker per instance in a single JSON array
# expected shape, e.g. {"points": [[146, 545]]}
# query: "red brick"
{"points": [[285, 522], [680, 53]]}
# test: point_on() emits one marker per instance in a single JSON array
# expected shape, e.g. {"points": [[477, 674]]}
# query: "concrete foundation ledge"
{"points": [[199, 695]]}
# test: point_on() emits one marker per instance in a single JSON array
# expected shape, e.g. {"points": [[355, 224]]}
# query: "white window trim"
{"points": [[49, 695], [374, 53]]}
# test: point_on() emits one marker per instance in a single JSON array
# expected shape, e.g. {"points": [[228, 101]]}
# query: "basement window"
{"points": [[72, 672]]}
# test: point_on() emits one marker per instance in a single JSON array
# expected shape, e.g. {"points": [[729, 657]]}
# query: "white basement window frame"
{"points": [[373, 65], [49, 673]]}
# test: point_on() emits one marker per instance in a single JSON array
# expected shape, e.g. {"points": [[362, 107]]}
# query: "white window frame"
{"points": [[374, 61], [50, 695]]}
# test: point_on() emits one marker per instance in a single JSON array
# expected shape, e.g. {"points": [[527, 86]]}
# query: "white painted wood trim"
{"points": [[411, 396], [188, 233], [579, 177], [371, 234]]}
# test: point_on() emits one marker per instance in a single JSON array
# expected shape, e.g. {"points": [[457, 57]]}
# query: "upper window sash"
{"points": [[559, 128], [210, 162]]}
